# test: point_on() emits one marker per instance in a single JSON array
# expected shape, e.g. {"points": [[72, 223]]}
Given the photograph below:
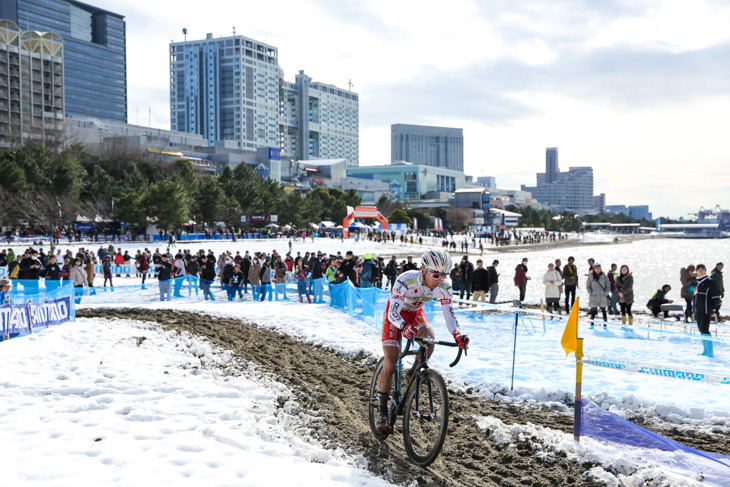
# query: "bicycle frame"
{"points": [[421, 363]]}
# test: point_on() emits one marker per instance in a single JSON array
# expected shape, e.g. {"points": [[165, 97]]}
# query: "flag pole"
{"points": [[578, 383], [514, 351]]}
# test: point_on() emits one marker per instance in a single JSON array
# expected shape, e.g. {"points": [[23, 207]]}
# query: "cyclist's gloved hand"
{"points": [[462, 340], [408, 332]]}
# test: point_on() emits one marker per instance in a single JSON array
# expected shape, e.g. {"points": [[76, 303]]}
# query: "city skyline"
{"points": [[637, 91]]}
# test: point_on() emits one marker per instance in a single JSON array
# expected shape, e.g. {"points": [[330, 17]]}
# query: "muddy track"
{"points": [[337, 388]]}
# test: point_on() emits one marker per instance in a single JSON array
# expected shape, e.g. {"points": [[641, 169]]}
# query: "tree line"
{"points": [[48, 188]]}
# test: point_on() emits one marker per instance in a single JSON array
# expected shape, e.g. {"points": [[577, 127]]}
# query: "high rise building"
{"points": [[31, 85], [551, 165], [429, 146], [232, 88], [226, 88], [571, 190], [319, 121], [94, 48]]}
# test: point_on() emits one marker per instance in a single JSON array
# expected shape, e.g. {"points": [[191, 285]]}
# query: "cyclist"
{"points": [[404, 317]]}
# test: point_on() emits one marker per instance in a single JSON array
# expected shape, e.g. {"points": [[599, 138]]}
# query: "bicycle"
{"points": [[425, 409]]}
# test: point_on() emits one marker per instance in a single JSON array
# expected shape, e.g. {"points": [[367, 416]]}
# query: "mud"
{"points": [[337, 388]]}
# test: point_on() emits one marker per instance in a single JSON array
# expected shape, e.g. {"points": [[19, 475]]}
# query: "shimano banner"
{"points": [[51, 313], [18, 318]]}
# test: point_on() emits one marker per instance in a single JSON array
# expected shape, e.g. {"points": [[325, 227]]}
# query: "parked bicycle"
{"points": [[425, 409]]}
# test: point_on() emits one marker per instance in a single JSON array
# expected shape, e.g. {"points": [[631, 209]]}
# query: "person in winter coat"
{"points": [[235, 282], [391, 271], [30, 271], [316, 283], [552, 282], [625, 288], [266, 279], [254, 277], [481, 283], [90, 274], [570, 280], [598, 288], [466, 271], [127, 259], [119, 260], [178, 273], [716, 276], [614, 293], [367, 271], [193, 269], [658, 299], [688, 279], [493, 282], [77, 274], [301, 272], [521, 278], [143, 267], [245, 267], [707, 302], [280, 277], [164, 275], [52, 274], [207, 276], [106, 269]]}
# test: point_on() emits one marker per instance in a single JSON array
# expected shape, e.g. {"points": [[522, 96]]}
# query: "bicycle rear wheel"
{"points": [[426, 418], [374, 402]]}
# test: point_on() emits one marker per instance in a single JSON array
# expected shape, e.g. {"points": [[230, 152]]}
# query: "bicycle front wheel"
{"points": [[426, 418]]}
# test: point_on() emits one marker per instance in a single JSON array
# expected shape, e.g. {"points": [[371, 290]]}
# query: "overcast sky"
{"points": [[637, 89]]}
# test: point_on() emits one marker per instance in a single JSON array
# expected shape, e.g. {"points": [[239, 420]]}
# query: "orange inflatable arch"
{"points": [[363, 212]]}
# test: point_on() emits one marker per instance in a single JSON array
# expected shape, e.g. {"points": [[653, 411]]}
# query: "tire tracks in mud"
{"points": [[336, 388]]}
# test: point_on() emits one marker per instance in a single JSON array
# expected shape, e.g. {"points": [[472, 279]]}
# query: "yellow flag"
{"points": [[570, 335]]}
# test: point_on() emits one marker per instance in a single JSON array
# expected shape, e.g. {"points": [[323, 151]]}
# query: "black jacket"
{"points": [[236, 279], [164, 271], [707, 296], [207, 271], [26, 272], [316, 265], [245, 266], [52, 271], [481, 280], [493, 275], [348, 269], [467, 271]]}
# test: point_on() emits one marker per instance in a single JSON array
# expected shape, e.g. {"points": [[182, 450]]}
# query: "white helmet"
{"points": [[436, 260]]}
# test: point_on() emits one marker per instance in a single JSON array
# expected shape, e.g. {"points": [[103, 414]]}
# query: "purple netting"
{"points": [[606, 426]]}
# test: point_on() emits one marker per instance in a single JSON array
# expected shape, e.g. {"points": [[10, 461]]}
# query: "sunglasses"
{"points": [[438, 275]]}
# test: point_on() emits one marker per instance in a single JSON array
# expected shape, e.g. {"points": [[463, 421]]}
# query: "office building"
{"points": [[599, 203], [226, 88], [570, 190], [412, 182], [233, 89], [429, 146], [319, 121], [31, 85], [94, 52]]}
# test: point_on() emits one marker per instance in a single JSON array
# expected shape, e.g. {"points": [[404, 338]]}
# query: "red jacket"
{"points": [[520, 276], [118, 259]]}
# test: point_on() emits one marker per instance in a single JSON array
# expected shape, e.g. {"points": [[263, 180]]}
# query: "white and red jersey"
{"points": [[410, 294]]}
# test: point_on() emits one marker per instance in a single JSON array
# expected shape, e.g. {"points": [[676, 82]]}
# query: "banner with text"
{"points": [[17, 318]]}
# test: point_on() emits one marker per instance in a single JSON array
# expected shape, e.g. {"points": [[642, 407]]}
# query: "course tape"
{"points": [[658, 370]]}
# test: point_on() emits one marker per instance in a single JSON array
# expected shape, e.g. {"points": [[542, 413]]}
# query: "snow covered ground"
{"points": [[122, 403]]}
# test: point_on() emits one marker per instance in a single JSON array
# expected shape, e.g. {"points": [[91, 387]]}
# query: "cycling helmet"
{"points": [[436, 260]]}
